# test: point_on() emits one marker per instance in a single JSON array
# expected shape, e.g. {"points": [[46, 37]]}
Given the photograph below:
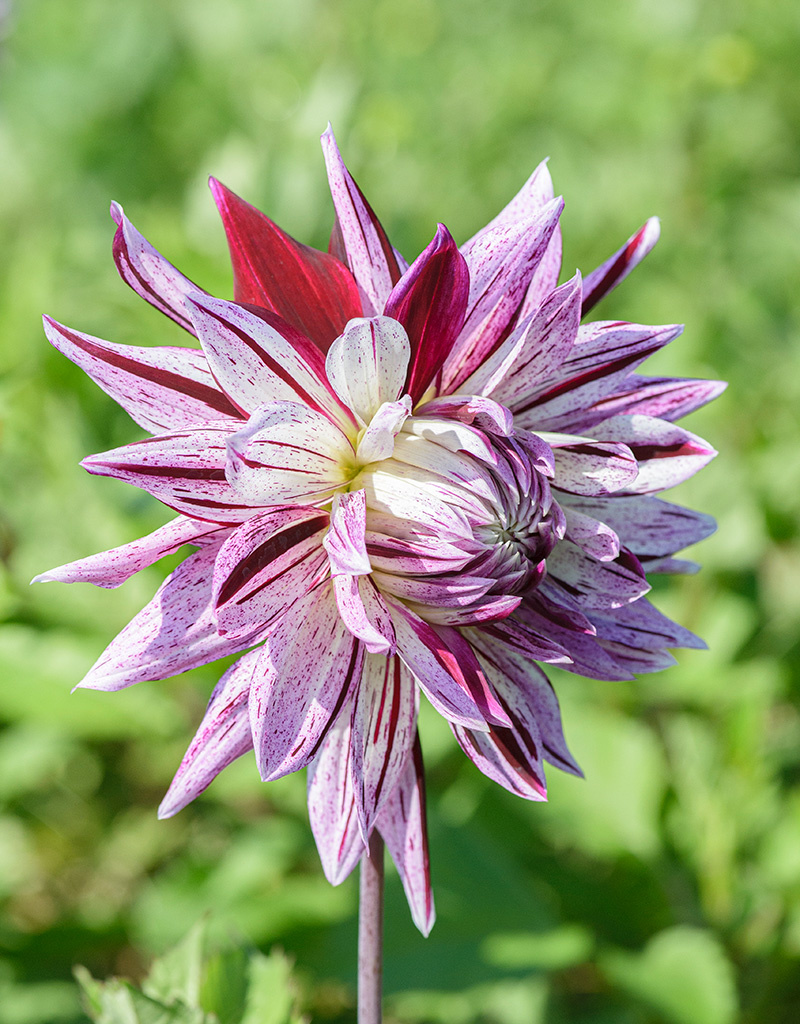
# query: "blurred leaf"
{"points": [[270, 995], [683, 973], [554, 950]]}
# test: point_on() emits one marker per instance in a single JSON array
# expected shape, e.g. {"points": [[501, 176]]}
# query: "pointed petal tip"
{"points": [[168, 808], [117, 213]]}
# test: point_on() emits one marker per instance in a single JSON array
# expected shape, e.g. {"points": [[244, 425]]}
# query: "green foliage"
{"points": [[190, 985], [663, 888]]}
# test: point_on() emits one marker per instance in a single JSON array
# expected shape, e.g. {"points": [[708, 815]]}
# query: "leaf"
{"points": [[270, 996], [178, 974], [223, 991], [683, 973]]}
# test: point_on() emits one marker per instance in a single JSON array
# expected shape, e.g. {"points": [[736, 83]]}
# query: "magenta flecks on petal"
{"points": [[148, 273], [161, 389], [359, 237], [403, 824], [266, 565], [617, 267], [224, 735], [309, 289], [110, 569], [399, 480], [430, 301], [309, 667]]}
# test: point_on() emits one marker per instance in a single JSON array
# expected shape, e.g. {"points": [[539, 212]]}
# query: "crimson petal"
{"points": [[309, 289], [430, 301]]}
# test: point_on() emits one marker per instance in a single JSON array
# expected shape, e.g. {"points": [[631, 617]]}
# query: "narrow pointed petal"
{"points": [[643, 626], [488, 609], [175, 632], [532, 198], [184, 470], [309, 667], [148, 273], [266, 565], [331, 804], [258, 358], [668, 398], [160, 388], [383, 731], [430, 301], [447, 670], [287, 453], [649, 526], [370, 255], [601, 585], [667, 454], [516, 636], [534, 351], [590, 467], [403, 825], [368, 363], [311, 290], [603, 356], [224, 735], [529, 697], [111, 568], [501, 264], [617, 267]]}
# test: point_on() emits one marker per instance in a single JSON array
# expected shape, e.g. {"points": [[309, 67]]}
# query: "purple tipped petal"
{"points": [[617, 267], [148, 273], [501, 263], [111, 568], [383, 730], [331, 804], [403, 824], [224, 735], [160, 388], [532, 198], [369, 253], [534, 351], [603, 355], [529, 698], [600, 585], [175, 632], [309, 667], [667, 455], [185, 471], [430, 301], [649, 526], [668, 398], [310, 290], [447, 670]]}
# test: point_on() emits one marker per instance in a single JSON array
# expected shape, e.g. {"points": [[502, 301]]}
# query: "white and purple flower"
{"points": [[397, 479]]}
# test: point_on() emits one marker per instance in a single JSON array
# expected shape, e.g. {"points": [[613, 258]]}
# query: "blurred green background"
{"points": [[664, 888]]}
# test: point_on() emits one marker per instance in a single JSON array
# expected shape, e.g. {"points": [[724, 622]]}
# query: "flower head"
{"points": [[397, 479]]}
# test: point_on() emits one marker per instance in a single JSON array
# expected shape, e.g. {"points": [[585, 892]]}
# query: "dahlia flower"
{"points": [[398, 479]]}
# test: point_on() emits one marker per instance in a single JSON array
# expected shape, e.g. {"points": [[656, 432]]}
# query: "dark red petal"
{"points": [[309, 289], [430, 301]]}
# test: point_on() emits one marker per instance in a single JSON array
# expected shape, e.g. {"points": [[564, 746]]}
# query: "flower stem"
{"points": [[370, 933]]}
